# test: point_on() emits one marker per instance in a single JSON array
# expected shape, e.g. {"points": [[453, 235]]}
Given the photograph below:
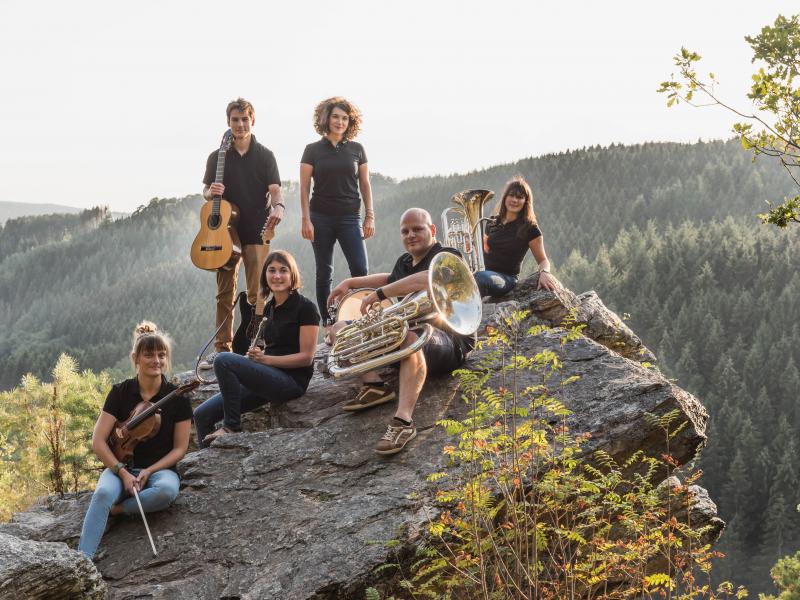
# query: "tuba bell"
{"points": [[374, 340], [463, 228]]}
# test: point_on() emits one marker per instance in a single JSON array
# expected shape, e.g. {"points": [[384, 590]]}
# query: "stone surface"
{"points": [[293, 512], [30, 569]]}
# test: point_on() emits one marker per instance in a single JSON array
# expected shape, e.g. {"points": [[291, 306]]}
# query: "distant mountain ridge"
{"points": [[12, 210]]}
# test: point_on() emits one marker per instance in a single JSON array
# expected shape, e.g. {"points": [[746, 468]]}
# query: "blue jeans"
{"points": [[159, 492], [327, 230], [494, 284], [244, 385]]}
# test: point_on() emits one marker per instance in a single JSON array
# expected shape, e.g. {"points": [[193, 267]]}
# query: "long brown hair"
{"points": [[519, 187]]}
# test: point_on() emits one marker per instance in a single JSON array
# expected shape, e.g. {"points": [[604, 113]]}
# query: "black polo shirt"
{"points": [[335, 176], [122, 399], [405, 266], [247, 179], [282, 331], [508, 244]]}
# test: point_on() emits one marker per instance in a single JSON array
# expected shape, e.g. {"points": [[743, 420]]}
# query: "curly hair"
{"points": [[322, 114]]}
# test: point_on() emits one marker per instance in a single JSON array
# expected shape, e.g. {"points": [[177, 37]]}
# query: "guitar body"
{"points": [[216, 247]]}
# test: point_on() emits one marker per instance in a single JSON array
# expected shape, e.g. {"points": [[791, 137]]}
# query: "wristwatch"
{"points": [[379, 293], [117, 467]]}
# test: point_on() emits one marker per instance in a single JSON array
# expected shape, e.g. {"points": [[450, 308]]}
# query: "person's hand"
{"points": [[128, 481], [338, 293], [307, 230], [368, 301], [369, 226], [141, 479], [546, 281], [216, 189], [256, 354], [274, 217]]}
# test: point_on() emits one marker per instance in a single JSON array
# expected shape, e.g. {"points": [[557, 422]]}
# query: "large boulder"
{"points": [[50, 570], [299, 510]]}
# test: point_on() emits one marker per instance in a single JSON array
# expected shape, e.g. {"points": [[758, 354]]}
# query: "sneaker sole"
{"points": [[353, 408], [396, 450]]}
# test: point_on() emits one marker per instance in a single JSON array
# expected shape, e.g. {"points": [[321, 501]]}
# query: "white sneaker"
{"points": [[208, 362]]}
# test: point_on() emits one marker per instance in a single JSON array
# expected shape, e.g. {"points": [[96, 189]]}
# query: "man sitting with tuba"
{"points": [[442, 353]]}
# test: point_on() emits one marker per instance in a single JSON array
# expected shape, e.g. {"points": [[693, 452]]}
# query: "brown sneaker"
{"points": [[369, 396], [396, 437]]}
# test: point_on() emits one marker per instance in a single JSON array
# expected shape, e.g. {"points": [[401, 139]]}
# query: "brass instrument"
{"points": [[464, 231], [374, 340]]}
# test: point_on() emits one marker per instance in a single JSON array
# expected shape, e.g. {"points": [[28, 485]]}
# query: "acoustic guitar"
{"points": [[216, 247]]}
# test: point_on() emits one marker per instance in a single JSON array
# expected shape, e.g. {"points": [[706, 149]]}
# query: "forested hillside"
{"points": [[14, 210], [664, 232]]}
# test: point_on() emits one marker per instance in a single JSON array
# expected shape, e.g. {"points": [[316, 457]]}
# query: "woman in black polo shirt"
{"points": [[508, 238], [338, 166], [151, 471], [275, 372]]}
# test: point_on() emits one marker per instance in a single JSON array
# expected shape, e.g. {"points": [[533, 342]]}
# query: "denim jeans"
{"points": [[327, 230], [494, 284], [159, 492], [244, 385]]}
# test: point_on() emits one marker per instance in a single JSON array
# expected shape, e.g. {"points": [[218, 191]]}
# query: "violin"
{"points": [[142, 424]]}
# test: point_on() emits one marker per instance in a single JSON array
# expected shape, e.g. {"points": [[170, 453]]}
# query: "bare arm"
{"points": [[537, 249], [306, 228], [102, 430], [401, 287], [276, 202], [353, 283], [304, 358], [366, 195]]}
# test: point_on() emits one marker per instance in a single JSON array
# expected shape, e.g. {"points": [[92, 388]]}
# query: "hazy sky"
{"points": [[115, 103]]}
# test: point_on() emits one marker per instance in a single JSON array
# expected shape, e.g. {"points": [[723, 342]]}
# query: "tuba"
{"points": [[374, 340], [464, 231]]}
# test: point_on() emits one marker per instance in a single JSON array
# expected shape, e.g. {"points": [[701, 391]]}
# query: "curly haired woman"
{"points": [[338, 167]]}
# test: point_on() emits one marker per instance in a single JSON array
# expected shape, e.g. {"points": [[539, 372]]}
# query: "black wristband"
{"points": [[379, 293], [279, 204]]}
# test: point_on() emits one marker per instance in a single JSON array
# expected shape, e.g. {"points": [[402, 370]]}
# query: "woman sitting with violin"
{"points": [[279, 364], [151, 469], [507, 240]]}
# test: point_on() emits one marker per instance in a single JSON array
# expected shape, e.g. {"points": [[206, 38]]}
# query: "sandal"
{"points": [[217, 434]]}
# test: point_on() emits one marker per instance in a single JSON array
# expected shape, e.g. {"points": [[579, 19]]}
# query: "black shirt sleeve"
{"points": [[113, 403], [531, 232], [362, 155], [308, 314], [211, 169], [271, 169], [308, 155], [183, 409]]}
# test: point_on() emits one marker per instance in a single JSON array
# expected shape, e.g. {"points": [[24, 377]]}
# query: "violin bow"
{"points": [[147, 528]]}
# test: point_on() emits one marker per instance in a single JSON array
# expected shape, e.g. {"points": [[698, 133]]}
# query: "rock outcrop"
{"points": [[31, 569], [294, 511]]}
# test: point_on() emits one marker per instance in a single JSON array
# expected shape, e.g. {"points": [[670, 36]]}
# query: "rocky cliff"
{"points": [[291, 508]]}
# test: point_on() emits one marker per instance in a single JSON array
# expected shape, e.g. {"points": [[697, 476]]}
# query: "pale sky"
{"points": [[115, 103]]}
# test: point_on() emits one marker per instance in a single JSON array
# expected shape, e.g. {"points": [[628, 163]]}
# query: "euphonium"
{"points": [[374, 340], [464, 231]]}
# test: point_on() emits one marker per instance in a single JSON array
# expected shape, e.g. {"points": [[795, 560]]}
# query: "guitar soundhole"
{"points": [[214, 221]]}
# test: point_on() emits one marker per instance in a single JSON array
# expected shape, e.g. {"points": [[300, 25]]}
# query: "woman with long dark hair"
{"points": [[337, 165], [151, 471], [507, 240], [280, 364]]}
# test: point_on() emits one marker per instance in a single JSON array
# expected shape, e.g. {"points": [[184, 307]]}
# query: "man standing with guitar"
{"points": [[252, 183]]}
